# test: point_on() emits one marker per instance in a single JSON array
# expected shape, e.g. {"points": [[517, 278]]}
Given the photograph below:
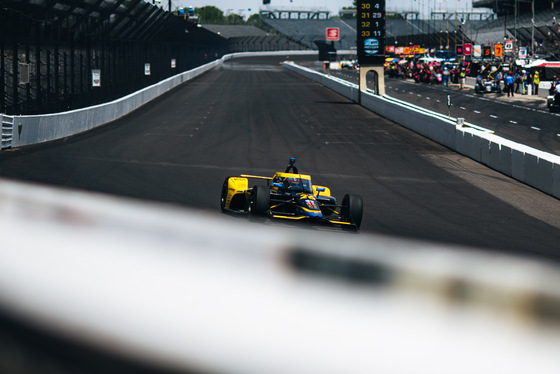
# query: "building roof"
{"points": [[118, 19]]}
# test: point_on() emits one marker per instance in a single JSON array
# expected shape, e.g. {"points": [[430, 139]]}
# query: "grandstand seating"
{"points": [[546, 31], [307, 31], [242, 38], [263, 43], [441, 33], [234, 31]]}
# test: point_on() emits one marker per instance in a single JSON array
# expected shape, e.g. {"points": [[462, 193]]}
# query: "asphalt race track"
{"points": [[251, 116]]}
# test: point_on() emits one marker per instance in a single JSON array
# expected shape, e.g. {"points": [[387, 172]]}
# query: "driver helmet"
{"points": [[291, 182]]}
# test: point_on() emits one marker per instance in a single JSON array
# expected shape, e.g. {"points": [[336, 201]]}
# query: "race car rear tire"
{"points": [[352, 209], [260, 200]]}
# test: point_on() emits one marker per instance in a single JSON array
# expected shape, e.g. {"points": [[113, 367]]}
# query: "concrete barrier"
{"points": [[35, 129], [535, 168]]}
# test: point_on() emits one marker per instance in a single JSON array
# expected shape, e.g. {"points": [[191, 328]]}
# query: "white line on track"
{"points": [[535, 128], [493, 116], [464, 93], [477, 112], [463, 108], [515, 123]]}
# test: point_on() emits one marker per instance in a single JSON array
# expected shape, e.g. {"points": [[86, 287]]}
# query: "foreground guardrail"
{"points": [[175, 291], [526, 164]]}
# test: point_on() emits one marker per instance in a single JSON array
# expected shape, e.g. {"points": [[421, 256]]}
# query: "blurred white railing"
{"points": [[187, 289]]}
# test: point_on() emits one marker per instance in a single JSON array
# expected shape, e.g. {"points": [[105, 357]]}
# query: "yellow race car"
{"points": [[290, 195]]}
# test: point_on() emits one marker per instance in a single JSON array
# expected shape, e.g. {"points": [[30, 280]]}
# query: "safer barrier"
{"points": [[34, 129], [535, 168]]}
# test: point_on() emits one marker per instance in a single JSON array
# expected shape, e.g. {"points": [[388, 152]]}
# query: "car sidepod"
{"points": [[233, 197], [327, 203]]}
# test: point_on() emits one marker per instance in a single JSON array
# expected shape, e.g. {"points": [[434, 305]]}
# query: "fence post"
{"points": [[7, 123]]}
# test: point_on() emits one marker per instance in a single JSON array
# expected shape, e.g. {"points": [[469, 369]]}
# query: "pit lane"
{"points": [[521, 118]]}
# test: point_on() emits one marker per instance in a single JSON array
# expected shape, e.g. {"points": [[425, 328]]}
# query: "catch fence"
{"points": [[63, 55]]}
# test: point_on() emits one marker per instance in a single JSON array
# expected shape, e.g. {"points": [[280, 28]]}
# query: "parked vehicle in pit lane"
{"points": [[290, 195], [348, 64], [553, 100], [553, 104], [486, 86]]}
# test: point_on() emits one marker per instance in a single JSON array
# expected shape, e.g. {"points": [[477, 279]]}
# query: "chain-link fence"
{"points": [[56, 56]]}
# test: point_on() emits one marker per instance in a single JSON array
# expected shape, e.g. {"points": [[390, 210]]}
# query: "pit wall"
{"points": [[528, 165], [34, 129]]}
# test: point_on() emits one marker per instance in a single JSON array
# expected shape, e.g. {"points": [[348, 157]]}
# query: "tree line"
{"points": [[212, 15]]}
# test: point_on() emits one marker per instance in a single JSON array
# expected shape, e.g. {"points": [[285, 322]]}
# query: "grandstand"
{"points": [[293, 13], [542, 29], [432, 34], [307, 27], [249, 38], [306, 32], [298, 28], [505, 7]]}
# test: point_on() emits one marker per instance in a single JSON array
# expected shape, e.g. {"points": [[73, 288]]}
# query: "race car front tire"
{"points": [[352, 209], [260, 200], [223, 196]]}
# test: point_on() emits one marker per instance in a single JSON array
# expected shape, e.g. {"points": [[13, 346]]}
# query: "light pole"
{"points": [[533, 30], [515, 18]]}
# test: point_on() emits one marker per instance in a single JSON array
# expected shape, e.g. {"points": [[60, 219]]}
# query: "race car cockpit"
{"points": [[293, 183]]}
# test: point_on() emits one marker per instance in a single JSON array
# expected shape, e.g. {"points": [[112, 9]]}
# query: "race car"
{"points": [[290, 195], [486, 86]]}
